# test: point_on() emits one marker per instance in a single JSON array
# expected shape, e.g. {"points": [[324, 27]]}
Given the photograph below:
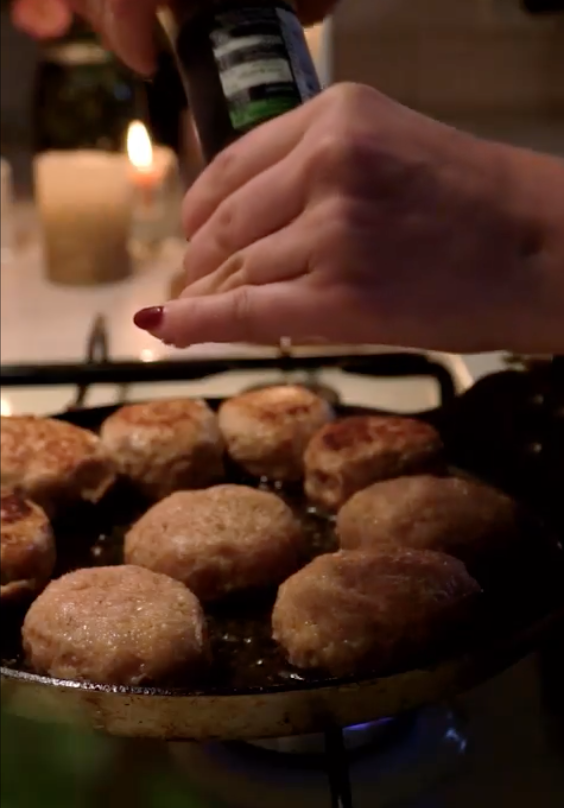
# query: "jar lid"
{"points": [[75, 54]]}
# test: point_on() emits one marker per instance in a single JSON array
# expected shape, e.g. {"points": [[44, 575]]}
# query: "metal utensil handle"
{"points": [[338, 768]]}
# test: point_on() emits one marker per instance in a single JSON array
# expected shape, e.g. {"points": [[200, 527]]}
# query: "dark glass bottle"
{"points": [[544, 6], [83, 97], [242, 63], [165, 101]]}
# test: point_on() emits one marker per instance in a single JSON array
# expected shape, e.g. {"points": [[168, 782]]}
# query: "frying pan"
{"points": [[246, 707]]}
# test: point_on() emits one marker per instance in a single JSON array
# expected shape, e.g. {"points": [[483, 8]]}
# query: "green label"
{"points": [[264, 65], [255, 112]]}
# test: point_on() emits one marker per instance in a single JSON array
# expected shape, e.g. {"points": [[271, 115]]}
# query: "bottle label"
{"points": [[264, 63]]}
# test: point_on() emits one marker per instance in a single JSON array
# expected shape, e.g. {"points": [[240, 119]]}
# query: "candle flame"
{"points": [[139, 146]]}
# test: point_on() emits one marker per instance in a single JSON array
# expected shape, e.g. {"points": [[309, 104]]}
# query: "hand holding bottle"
{"points": [[126, 26]]}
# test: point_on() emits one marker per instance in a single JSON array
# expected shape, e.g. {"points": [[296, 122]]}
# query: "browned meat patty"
{"points": [[464, 518], [167, 445], [350, 454], [266, 431], [27, 549], [115, 626], [222, 540], [52, 462], [356, 611]]}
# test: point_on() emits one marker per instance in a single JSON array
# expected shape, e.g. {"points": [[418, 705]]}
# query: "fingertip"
{"points": [[139, 58], [149, 319], [130, 30]]}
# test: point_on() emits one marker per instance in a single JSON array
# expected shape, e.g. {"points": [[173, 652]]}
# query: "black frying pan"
{"points": [[253, 693]]}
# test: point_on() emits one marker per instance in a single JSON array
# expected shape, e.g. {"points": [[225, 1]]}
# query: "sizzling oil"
{"points": [[243, 652]]}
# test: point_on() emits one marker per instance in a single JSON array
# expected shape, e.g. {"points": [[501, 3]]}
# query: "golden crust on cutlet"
{"points": [[267, 430], [352, 453], [165, 445], [359, 611], [463, 517], [53, 462], [222, 540], [116, 626], [27, 548]]}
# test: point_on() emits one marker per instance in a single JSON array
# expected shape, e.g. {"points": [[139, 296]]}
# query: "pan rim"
{"points": [[516, 643]]}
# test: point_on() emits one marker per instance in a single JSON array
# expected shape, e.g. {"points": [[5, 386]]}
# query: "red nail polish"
{"points": [[149, 319]]}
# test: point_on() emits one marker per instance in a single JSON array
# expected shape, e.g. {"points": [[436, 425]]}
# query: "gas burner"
{"points": [[355, 738], [405, 760]]}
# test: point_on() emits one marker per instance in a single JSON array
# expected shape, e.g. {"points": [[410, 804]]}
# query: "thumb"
{"points": [[258, 314]]}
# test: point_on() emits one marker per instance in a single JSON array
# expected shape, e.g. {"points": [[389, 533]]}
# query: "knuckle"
{"points": [[233, 273], [328, 153], [243, 313], [340, 151], [224, 227], [338, 217], [213, 185], [348, 95], [338, 159], [225, 220], [341, 211], [236, 264], [224, 166]]}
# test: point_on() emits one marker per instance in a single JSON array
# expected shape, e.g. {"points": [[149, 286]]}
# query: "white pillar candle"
{"points": [[84, 200], [156, 187]]}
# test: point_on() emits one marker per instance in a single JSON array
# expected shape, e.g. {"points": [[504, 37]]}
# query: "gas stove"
{"points": [[501, 744], [365, 376]]}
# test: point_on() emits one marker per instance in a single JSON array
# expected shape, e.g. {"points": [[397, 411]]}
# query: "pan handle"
{"points": [[336, 758]]}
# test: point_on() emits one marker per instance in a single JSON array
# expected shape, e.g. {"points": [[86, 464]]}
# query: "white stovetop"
{"points": [[401, 395], [45, 322]]}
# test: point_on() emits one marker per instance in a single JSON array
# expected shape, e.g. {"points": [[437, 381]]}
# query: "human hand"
{"points": [[355, 220], [42, 19], [126, 26]]}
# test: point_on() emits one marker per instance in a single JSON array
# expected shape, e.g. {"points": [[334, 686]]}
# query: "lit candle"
{"points": [[84, 200], [155, 180]]}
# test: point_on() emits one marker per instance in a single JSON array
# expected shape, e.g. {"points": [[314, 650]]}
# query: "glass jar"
{"points": [[83, 97]]}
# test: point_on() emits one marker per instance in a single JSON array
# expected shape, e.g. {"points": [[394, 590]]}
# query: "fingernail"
{"points": [[149, 319]]}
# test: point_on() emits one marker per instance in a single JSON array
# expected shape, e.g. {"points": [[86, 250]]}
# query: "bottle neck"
{"points": [[77, 54], [79, 32]]}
